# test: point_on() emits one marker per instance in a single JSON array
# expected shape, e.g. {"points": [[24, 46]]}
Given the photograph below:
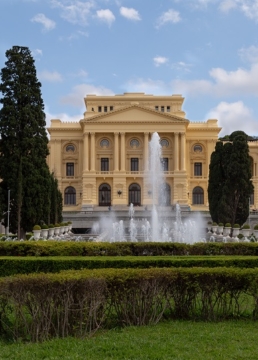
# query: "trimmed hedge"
{"points": [[38, 307], [64, 248], [26, 265]]}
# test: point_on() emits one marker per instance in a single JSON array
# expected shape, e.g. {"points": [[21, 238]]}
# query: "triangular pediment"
{"points": [[135, 114]]}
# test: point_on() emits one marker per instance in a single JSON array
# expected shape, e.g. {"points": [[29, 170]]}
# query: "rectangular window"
{"points": [[134, 164], [164, 164], [162, 108], [156, 108], [104, 164], [198, 169], [111, 108], [69, 169], [168, 108], [105, 108], [99, 109]]}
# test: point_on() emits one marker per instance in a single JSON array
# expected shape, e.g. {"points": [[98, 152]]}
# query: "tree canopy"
{"points": [[230, 185], [24, 142]]}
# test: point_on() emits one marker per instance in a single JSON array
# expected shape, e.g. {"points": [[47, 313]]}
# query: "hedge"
{"points": [[38, 307], [65, 248], [25, 265]]}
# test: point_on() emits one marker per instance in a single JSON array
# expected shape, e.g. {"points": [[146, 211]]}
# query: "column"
{"points": [[85, 152], [146, 151], [182, 148], [176, 154], [93, 152], [122, 136], [116, 152]]}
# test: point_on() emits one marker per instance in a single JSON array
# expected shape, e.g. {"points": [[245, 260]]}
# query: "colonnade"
{"points": [[89, 159]]}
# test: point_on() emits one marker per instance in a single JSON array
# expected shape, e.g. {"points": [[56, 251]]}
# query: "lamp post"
{"points": [[8, 213]]}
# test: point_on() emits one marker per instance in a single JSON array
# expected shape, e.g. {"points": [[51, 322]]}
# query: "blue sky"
{"points": [[206, 50]]}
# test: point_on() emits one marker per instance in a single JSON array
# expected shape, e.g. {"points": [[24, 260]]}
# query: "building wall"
{"points": [[118, 128]]}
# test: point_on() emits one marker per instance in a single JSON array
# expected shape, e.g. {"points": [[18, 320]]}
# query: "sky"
{"points": [[205, 50]]}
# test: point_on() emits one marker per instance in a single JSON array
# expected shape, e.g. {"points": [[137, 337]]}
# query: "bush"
{"points": [[57, 225], [51, 226], [246, 226], [256, 227], [221, 224], [44, 227], [214, 224], [228, 225], [36, 227], [236, 226]]}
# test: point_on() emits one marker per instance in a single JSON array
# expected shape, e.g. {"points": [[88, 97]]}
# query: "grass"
{"points": [[177, 340]]}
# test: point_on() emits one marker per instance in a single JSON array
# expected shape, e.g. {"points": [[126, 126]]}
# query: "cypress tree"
{"points": [[23, 145], [230, 185]]}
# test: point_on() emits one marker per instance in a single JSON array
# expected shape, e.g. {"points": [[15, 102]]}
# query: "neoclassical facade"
{"points": [[103, 160]]}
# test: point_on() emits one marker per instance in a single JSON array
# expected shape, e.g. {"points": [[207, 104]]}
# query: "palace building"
{"points": [[103, 160]]}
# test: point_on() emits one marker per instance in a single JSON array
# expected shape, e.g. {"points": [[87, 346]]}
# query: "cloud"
{"points": [[37, 53], [171, 16], [74, 11], [181, 66], [222, 83], [49, 76], [61, 116], [249, 54], [130, 13], [160, 60], [46, 22], [234, 116], [155, 87], [106, 16], [75, 98], [227, 5]]}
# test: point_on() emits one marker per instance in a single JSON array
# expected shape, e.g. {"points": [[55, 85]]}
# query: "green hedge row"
{"points": [[26, 265], [38, 307], [64, 248]]}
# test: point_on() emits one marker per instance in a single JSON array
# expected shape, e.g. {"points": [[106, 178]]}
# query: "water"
{"points": [[157, 230]]}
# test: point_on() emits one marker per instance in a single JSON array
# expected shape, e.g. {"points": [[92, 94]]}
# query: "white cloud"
{"points": [[227, 5], [61, 116], [130, 13], [234, 116], [74, 11], [148, 86], [222, 83], [170, 16], [181, 66], [106, 16], [49, 76], [46, 22], [249, 54], [160, 60], [75, 98], [36, 53]]}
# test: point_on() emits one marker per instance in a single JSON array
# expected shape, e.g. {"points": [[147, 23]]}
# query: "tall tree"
{"points": [[230, 185], [23, 144], [56, 202]]}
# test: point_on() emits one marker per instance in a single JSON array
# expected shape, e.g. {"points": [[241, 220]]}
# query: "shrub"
{"points": [[36, 227], [256, 227], [57, 225], [44, 226], [51, 226], [236, 226], [227, 225], [214, 224], [246, 226], [221, 224]]}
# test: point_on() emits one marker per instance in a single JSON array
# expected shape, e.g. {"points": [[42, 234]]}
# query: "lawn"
{"points": [[178, 340]]}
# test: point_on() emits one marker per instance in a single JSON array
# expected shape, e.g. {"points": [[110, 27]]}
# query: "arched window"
{"points": [[70, 147], [135, 194], [198, 196], [164, 195], [70, 196], [104, 195]]}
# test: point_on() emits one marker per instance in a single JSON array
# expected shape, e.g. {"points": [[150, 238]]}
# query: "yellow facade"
{"points": [[103, 159]]}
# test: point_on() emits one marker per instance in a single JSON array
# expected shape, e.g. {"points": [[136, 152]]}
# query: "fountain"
{"points": [[157, 229]]}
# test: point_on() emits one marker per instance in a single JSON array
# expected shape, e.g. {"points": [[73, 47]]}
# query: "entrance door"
{"points": [[104, 195], [135, 194]]}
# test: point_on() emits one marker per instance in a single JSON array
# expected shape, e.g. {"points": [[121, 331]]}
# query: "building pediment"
{"points": [[135, 114]]}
